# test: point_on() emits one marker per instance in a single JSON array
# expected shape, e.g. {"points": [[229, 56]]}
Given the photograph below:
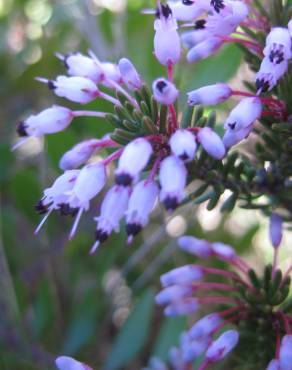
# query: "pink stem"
{"points": [[154, 169], [228, 274], [219, 286], [109, 98], [170, 71], [124, 92], [229, 311], [113, 157], [253, 45], [173, 125], [286, 322], [227, 322], [105, 144], [241, 93], [82, 113], [204, 365], [278, 343], [155, 138], [217, 300]]}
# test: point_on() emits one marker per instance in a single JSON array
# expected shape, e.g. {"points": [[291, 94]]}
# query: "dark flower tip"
{"points": [[124, 179], [133, 229], [21, 129], [170, 203], [101, 235]]}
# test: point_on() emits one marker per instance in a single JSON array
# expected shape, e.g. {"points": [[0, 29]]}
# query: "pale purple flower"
{"points": [[113, 208], [184, 12], [290, 27], [172, 177], [166, 40], [223, 250], [132, 161], [77, 89], [164, 91], [182, 275], [269, 74], [274, 365], [49, 121], [141, 204], [192, 38], [286, 353], [204, 49], [183, 307], [211, 142], [233, 137], [69, 363], [210, 95], [278, 45], [129, 74], [173, 293], [83, 66], [79, 154], [222, 346], [111, 72], [246, 112], [275, 230], [205, 326], [183, 145], [198, 247], [191, 349]]}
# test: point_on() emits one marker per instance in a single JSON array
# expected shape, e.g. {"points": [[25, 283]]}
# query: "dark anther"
{"points": [[262, 85], [170, 203], [101, 235], [276, 56], [133, 229], [184, 156], [21, 129], [66, 210], [124, 179], [161, 85], [200, 24], [51, 85], [41, 208], [187, 2], [218, 5], [232, 125], [165, 10]]}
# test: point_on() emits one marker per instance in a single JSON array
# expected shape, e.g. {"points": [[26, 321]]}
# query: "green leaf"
{"points": [[133, 334], [168, 336]]}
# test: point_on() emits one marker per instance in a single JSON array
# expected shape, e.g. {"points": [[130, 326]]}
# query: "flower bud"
{"points": [[68, 363], [232, 137], [111, 72], [133, 160], [192, 38], [164, 91], [278, 45], [172, 294], [244, 114], [182, 275], [286, 353], [192, 349], [198, 247], [89, 183], [205, 326], [222, 346], [210, 95], [166, 40], [141, 203], [172, 177], [183, 145], [129, 74], [274, 365], [79, 154], [269, 74], [156, 364], [185, 12], [83, 66], [204, 49], [211, 142], [275, 231], [223, 250], [49, 121], [112, 210], [77, 89], [184, 307]]}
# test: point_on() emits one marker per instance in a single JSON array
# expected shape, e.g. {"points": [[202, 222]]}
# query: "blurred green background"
{"points": [[55, 298]]}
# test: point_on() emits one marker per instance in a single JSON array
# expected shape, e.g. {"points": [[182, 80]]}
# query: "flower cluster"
{"points": [[247, 301], [149, 137]]}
